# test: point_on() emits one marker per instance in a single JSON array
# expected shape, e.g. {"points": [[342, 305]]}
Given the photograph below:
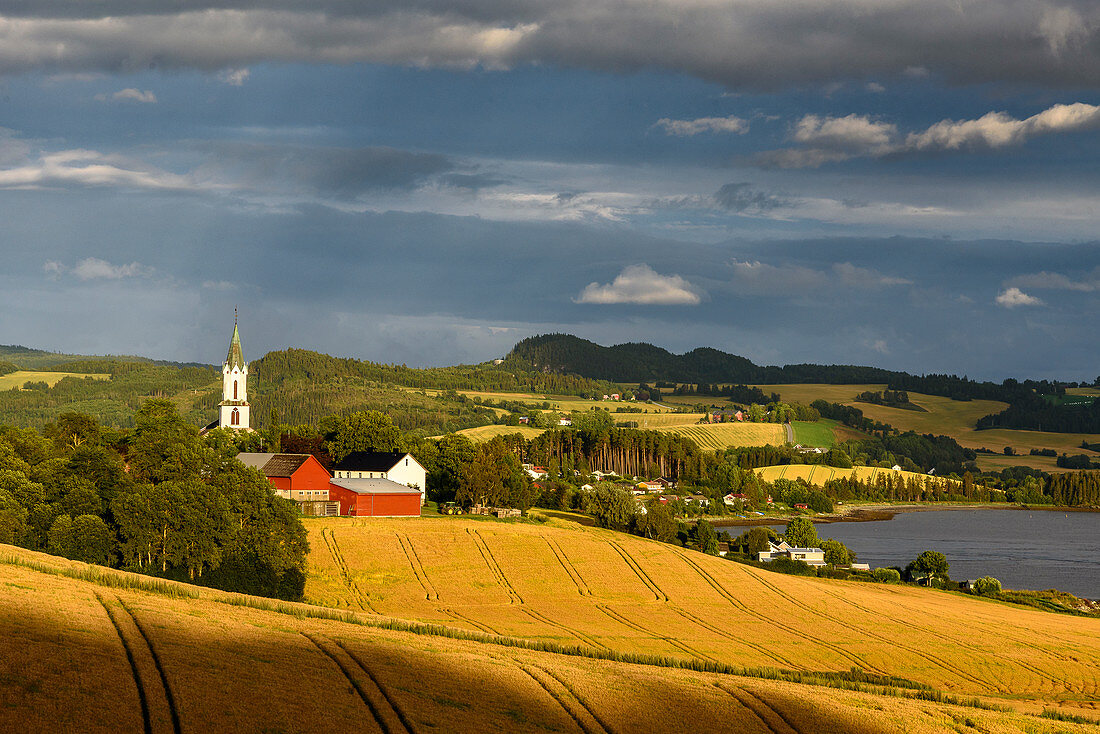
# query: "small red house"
{"points": [[375, 498], [299, 477]]}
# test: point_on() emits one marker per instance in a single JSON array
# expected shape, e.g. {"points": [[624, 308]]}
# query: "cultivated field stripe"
{"points": [[338, 557], [763, 650], [681, 646], [494, 567], [417, 566], [565, 684], [573, 711], [363, 696], [934, 659], [639, 572], [767, 715], [586, 639], [802, 633], [471, 621], [160, 669], [381, 689], [146, 721], [574, 574]]}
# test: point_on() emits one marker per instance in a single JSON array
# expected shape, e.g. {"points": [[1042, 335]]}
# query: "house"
{"points": [[733, 499], [654, 485], [375, 498], [812, 556], [701, 499], [801, 506], [723, 547], [536, 472], [392, 465], [565, 421], [298, 477], [524, 419]]}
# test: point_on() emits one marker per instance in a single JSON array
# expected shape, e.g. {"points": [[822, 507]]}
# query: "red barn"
{"points": [[375, 498], [299, 477]]}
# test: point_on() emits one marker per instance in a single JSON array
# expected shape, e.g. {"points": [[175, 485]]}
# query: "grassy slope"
{"points": [[563, 583], [819, 474], [18, 379], [951, 418], [819, 433], [81, 656]]}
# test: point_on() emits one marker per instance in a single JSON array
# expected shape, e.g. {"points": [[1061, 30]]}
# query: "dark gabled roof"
{"points": [[369, 461], [274, 465]]}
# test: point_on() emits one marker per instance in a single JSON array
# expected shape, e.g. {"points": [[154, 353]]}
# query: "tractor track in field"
{"points": [[801, 633], [160, 668], [570, 568], [640, 572], [775, 722], [679, 645], [374, 706], [562, 700], [142, 696], [418, 568], [586, 639], [345, 572], [763, 650], [926, 632], [469, 620], [494, 567], [928, 657], [565, 684], [397, 710]]}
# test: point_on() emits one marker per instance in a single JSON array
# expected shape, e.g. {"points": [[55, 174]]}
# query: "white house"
{"points": [[395, 466], [812, 556]]}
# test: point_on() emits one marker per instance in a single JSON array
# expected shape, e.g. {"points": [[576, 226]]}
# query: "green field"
{"points": [[16, 380], [815, 433]]}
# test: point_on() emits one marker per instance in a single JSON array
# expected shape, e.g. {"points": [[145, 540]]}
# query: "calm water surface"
{"points": [[1024, 549]]}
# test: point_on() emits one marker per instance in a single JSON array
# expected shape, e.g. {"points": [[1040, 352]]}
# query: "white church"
{"points": [[233, 409]]}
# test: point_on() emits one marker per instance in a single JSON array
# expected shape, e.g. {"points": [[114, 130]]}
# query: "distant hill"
{"points": [[639, 362], [28, 358]]}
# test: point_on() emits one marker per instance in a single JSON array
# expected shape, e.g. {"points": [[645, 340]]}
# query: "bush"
{"points": [[987, 586], [887, 575]]}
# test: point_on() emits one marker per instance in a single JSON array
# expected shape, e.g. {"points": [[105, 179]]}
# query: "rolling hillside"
{"points": [[89, 650], [818, 474], [565, 584]]}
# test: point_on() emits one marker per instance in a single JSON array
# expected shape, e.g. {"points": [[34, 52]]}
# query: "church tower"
{"points": [[233, 409]]}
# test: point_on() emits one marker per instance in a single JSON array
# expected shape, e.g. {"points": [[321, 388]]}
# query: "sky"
{"points": [[910, 184]]}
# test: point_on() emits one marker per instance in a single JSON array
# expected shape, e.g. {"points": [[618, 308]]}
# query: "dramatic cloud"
{"points": [[640, 284], [129, 95], [740, 43], [1013, 297], [88, 168], [687, 128], [831, 139]]}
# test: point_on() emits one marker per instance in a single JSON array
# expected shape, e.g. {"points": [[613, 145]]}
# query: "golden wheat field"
{"points": [[566, 584], [481, 434], [83, 650], [18, 379], [818, 474], [717, 436]]}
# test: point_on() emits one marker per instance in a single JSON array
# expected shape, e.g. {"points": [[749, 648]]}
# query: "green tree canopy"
{"points": [[706, 539], [930, 563], [611, 506], [836, 553], [801, 533], [368, 430]]}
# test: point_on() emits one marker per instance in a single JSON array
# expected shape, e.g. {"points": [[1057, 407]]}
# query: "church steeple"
{"points": [[233, 410]]}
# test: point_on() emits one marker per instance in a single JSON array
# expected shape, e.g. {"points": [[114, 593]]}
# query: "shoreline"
{"points": [[876, 512]]}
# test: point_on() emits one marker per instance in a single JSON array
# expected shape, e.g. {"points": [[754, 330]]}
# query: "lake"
{"points": [[1025, 549]]}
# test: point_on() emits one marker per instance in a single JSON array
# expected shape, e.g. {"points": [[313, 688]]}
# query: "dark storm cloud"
{"points": [[336, 172], [739, 43]]}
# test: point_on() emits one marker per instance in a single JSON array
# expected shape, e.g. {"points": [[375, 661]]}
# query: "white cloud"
{"points": [[1013, 297], [640, 284], [858, 277], [92, 268], [831, 139], [1057, 281], [130, 94], [687, 128], [88, 168], [234, 77]]}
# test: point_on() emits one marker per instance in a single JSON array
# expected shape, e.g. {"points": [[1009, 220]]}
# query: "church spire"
{"points": [[235, 358]]}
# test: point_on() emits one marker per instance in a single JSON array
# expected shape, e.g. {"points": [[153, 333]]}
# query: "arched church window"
{"points": [[235, 418], [234, 389]]}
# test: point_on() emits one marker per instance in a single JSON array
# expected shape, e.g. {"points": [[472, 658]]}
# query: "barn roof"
{"points": [[274, 465], [374, 486], [370, 461]]}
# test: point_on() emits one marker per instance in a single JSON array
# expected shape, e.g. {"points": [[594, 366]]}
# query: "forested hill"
{"points": [[40, 359], [275, 368], [634, 362]]}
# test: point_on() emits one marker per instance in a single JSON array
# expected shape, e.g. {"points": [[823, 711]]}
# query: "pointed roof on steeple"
{"points": [[235, 358]]}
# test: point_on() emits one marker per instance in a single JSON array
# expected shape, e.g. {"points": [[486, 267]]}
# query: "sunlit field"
{"points": [[18, 379]]}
